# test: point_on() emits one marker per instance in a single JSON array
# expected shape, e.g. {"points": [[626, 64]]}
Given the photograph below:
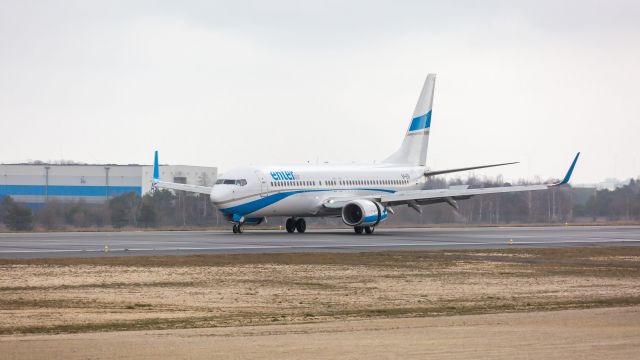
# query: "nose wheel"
{"points": [[238, 229]]}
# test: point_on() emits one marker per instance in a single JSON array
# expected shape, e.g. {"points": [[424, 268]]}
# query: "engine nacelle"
{"points": [[363, 213]]}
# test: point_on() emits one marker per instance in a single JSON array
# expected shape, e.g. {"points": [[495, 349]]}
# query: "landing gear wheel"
{"points": [[301, 225], [290, 225], [369, 229], [358, 229], [240, 228], [235, 229]]}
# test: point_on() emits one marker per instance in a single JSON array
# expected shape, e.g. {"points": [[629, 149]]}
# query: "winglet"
{"points": [[156, 168], [568, 175]]}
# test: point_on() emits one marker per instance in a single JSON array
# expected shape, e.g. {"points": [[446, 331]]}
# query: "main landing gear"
{"points": [[295, 224], [238, 229], [366, 229]]}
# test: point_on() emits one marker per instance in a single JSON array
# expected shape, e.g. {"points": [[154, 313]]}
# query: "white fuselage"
{"points": [[301, 190]]}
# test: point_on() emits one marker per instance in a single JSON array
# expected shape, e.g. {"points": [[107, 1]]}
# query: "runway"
{"points": [[82, 244]]}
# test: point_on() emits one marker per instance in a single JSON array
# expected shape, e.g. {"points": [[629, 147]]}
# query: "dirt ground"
{"points": [[143, 293], [612, 333]]}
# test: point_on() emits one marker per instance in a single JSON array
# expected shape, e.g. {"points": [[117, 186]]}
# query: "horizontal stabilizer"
{"points": [[440, 172]]}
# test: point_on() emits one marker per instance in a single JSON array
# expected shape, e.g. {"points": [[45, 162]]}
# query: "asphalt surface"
{"points": [[81, 244]]}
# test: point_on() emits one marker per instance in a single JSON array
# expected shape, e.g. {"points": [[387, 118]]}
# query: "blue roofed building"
{"points": [[35, 184]]}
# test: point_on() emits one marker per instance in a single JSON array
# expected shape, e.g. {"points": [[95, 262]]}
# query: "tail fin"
{"points": [[413, 150]]}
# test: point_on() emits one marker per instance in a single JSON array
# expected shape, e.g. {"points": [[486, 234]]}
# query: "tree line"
{"points": [[161, 208], [165, 209]]}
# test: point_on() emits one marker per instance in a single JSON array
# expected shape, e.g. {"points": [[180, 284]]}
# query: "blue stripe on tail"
{"points": [[421, 122]]}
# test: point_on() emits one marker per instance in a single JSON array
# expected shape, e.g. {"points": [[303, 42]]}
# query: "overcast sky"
{"points": [[234, 83]]}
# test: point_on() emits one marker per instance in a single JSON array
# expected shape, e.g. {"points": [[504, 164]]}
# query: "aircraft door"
{"points": [[264, 185]]}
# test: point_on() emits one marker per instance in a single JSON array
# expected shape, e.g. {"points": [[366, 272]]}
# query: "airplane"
{"points": [[362, 195]]}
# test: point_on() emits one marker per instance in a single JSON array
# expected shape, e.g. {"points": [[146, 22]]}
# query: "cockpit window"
{"points": [[239, 182]]}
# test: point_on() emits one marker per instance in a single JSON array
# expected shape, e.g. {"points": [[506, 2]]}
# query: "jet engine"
{"points": [[363, 213]]}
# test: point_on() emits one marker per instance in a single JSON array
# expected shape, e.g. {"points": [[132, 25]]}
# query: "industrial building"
{"points": [[35, 184]]}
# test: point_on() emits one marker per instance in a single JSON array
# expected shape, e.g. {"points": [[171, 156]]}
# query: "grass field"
{"points": [[170, 292]]}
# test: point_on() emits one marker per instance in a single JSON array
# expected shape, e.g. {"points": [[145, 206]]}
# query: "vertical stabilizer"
{"points": [[413, 150]]}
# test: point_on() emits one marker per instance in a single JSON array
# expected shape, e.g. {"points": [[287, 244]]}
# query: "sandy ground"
{"points": [[568, 334], [513, 303], [107, 294]]}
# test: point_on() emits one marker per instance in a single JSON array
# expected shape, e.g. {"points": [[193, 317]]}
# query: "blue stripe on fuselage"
{"points": [[421, 122], [255, 205]]}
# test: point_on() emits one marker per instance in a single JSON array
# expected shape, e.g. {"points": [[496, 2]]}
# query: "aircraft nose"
{"points": [[217, 194]]}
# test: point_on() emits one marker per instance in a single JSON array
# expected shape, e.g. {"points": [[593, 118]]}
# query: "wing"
{"points": [[418, 197], [174, 186], [184, 187]]}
